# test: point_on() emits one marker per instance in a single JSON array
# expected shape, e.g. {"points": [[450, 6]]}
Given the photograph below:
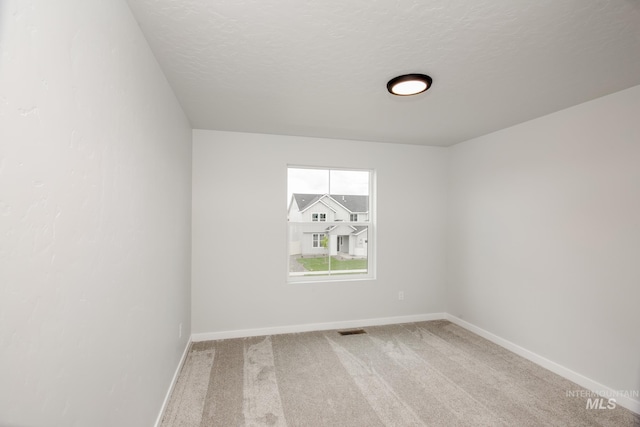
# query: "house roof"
{"points": [[359, 229], [353, 203]]}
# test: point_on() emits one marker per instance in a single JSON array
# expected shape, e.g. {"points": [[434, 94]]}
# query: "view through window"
{"points": [[329, 223]]}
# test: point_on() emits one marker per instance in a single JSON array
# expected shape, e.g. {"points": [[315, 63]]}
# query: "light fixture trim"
{"points": [[409, 84]]}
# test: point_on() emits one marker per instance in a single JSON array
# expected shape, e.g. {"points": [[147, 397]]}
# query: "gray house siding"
{"points": [[343, 238]]}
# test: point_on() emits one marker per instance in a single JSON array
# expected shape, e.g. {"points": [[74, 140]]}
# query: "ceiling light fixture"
{"points": [[409, 84]]}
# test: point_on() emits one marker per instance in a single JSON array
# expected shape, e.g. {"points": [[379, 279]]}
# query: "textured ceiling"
{"points": [[320, 68]]}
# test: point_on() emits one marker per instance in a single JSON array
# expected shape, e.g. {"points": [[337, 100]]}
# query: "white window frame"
{"points": [[351, 216], [370, 223]]}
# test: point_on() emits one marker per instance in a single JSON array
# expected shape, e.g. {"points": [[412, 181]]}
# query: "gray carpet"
{"points": [[416, 374]]}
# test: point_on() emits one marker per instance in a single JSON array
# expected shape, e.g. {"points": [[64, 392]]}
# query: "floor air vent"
{"points": [[353, 332]]}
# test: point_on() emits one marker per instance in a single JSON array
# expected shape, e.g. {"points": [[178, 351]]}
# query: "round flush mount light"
{"points": [[409, 84]]}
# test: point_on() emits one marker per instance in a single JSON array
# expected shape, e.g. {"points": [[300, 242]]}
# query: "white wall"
{"points": [[544, 242], [94, 218], [240, 252]]}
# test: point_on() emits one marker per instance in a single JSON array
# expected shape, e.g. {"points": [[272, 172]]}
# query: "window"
{"points": [[317, 240], [327, 240], [318, 217]]}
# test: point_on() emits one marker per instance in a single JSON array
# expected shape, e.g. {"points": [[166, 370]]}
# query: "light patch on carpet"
{"points": [[261, 405], [460, 403], [389, 407], [513, 399], [188, 397]]}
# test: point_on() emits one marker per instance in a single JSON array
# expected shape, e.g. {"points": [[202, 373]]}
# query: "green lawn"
{"points": [[322, 264]]}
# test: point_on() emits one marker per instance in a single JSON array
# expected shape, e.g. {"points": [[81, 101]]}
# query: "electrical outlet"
{"points": [[180, 331], [401, 296]]}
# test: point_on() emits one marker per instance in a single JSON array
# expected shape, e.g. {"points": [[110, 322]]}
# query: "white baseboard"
{"points": [[581, 380], [173, 383], [308, 327]]}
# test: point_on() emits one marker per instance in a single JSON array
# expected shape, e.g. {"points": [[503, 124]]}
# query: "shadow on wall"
{"points": [[638, 384]]}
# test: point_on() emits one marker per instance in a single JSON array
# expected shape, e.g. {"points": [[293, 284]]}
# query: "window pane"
{"points": [[349, 182], [323, 181], [307, 181], [323, 205], [343, 250]]}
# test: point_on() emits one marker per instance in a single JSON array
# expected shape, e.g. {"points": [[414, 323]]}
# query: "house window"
{"points": [[318, 217], [317, 240], [327, 241]]}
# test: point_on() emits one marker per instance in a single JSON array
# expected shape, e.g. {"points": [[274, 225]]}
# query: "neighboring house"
{"points": [[315, 209]]}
